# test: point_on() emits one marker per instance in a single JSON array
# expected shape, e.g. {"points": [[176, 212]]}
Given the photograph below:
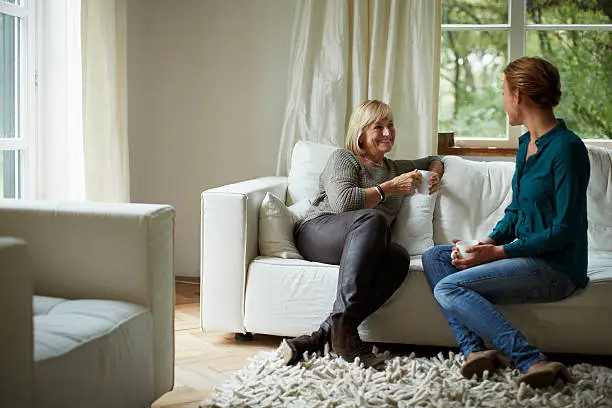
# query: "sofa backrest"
{"points": [[472, 199], [474, 196], [599, 199], [308, 159]]}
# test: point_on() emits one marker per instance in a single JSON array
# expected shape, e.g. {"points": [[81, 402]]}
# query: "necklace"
{"points": [[372, 162]]}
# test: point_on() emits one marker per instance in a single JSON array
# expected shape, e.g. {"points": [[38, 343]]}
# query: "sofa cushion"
{"points": [[475, 195], [308, 160], [81, 345], [599, 199], [276, 224], [472, 199], [62, 325], [413, 226], [290, 297], [284, 296]]}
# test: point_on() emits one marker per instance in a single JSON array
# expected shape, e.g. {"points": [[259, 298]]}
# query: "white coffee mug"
{"points": [[462, 246], [424, 187]]}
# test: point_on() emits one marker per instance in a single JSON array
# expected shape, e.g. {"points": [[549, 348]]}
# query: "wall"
{"points": [[207, 82]]}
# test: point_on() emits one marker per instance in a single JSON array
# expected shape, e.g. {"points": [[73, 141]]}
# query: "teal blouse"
{"points": [[547, 217]]}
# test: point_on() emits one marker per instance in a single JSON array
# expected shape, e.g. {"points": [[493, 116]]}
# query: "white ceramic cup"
{"points": [[424, 187], [462, 246]]}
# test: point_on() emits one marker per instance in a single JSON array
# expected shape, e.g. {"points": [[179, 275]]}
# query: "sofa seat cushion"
{"points": [[61, 325], [284, 296], [289, 297], [92, 350], [277, 288]]}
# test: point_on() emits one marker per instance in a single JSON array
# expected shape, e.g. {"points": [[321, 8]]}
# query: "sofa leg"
{"points": [[248, 336]]}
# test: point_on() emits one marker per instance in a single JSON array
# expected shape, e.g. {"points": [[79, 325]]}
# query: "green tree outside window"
{"points": [[472, 61]]}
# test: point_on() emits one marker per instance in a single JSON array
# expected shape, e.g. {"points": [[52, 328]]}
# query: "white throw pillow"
{"points": [[308, 159], [473, 199], [413, 226], [276, 223]]}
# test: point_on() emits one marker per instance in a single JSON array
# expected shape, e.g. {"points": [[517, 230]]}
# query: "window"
{"points": [[17, 35], [479, 38]]}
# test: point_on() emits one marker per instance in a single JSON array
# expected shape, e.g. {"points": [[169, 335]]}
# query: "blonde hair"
{"points": [[366, 113], [536, 78]]}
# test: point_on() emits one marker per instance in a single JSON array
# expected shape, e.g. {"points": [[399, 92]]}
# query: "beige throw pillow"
{"points": [[276, 224]]}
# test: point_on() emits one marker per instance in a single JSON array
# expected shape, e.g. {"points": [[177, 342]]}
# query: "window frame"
{"points": [[517, 29], [25, 144]]}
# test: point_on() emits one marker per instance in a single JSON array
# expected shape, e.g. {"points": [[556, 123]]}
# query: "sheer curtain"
{"points": [[82, 150], [347, 51]]}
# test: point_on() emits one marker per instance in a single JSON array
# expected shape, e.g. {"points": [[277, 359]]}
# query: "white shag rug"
{"points": [[328, 381]]}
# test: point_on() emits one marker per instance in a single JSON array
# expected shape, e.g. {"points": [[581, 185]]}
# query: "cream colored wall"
{"points": [[207, 82]]}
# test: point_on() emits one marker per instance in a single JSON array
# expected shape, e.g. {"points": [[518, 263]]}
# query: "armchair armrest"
{"points": [[89, 250], [16, 329], [229, 242]]}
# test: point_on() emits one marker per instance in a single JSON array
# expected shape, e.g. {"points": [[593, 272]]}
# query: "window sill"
{"points": [[446, 146], [477, 151]]}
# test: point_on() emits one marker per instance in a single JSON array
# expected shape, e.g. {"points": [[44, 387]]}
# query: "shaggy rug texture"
{"points": [[328, 381]]}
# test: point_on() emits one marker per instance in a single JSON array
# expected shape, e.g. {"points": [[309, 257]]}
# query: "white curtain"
{"points": [[346, 51], [82, 149]]}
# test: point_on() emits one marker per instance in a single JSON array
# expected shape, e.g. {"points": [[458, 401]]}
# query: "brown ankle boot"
{"points": [[294, 349], [347, 344]]}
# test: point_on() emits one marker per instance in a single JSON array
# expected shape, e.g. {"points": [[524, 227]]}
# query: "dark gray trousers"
{"points": [[372, 267]]}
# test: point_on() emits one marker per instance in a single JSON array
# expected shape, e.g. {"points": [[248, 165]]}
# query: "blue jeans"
{"points": [[467, 296]]}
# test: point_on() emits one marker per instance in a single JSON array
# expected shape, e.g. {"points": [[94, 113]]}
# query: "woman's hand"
{"points": [[479, 254], [434, 182], [437, 171], [406, 183], [455, 250]]}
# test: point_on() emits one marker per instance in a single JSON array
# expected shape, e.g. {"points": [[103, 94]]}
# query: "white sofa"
{"points": [[87, 304], [244, 292]]}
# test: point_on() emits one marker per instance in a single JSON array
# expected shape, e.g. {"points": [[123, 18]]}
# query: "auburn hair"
{"points": [[536, 78]]}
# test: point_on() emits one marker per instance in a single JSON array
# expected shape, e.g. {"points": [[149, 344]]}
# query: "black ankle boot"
{"points": [[347, 344], [294, 349]]}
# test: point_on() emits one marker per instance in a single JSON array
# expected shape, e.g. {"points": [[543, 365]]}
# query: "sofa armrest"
{"points": [[119, 251], [16, 329], [229, 243]]}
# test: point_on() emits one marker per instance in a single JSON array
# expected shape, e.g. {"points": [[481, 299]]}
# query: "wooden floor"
{"points": [[204, 359]]}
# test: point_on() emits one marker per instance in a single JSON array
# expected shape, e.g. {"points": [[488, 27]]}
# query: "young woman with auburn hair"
{"points": [[537, 252]]}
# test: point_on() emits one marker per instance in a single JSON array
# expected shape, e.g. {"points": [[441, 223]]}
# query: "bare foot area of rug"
{"points": [[328, 381]]}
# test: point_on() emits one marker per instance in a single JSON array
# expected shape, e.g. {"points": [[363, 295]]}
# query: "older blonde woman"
{"points": [[349, 224]]}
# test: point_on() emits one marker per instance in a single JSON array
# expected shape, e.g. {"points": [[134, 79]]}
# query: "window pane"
{"points": [[475, 12], [568, 12], [584, 60], [11, 173], [9, 76], [12, 1], [471, 67]]}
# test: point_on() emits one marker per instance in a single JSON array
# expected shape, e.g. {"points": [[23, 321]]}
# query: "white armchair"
{"points": [[16, 346], [103, 305]]}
